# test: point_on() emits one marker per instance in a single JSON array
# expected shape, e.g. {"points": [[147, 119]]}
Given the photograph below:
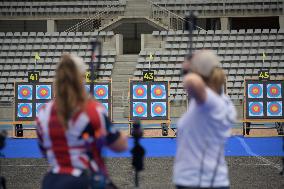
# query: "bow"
{"points": [[95, 63]]}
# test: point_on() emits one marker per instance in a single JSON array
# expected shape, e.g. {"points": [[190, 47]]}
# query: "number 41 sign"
{"points": [[33, 76]]}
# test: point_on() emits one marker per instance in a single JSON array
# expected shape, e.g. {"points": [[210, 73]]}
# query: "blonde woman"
{"points": [[204, 128], [73, 128]]}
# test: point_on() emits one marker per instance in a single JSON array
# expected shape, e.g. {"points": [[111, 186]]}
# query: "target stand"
{"points": [[29, 97], [263, 105], [149, 103]]}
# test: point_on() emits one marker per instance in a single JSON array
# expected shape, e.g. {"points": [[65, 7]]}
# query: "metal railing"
{"points": [[169, 19], [93, 22]]}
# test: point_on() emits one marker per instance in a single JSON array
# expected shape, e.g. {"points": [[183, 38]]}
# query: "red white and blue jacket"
{"points": [[73, 150]]}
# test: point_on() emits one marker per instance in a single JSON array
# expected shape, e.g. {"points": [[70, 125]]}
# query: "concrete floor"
{"points": [[245, 173]]}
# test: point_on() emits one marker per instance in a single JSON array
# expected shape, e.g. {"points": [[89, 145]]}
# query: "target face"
{"points": [[25, 92], [255, 90], [274, 91], [43, 92], [158, 92], [87, 87], [255, 108], [24, 110], [139, 91], [158, 109], [106, 106], [39, 106], [101, 91], [274, 108], [139, 109]]}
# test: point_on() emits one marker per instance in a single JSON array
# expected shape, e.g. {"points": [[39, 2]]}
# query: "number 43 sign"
{"points": [[148, 75]]}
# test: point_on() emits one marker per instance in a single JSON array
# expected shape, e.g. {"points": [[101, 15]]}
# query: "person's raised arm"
{"points": [[196, 87]]}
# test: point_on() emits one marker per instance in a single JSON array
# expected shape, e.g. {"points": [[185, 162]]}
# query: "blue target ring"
{"points": [[139, 109], [24, 110], [101, 91], [158, 92], [25, 92], [43, 92], [139, 91], [255, 108], [274, 90], [158, 109], [274, 108], [255, 90]]}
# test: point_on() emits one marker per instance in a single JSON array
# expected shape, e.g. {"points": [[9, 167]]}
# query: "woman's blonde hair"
{"points": [[216, 80], [70, 93]]}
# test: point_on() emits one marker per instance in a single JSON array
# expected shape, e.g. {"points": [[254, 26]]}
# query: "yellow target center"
{"points": [[139, 91], [43, 92], [255, 108], [25, 110], [255, 90], [273, 90], [25, 92], [274, 108], [158, 109], [140, 109], [101, 92], [158, 92]]}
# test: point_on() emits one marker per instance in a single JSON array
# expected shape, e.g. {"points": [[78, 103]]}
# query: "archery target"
{"points": [[25, 92], [24, 110], [87, 87], [101, 91], [274, 91], [106, 106], [274, 108], [39, 106], [255, 108], [255, 90], [158, 109], [158, 91], [43, 92], [139, 91], [139, 109]]}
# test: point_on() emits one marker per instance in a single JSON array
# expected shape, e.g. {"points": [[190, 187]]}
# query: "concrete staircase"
{"points": [[123, 70], [137, 8]]}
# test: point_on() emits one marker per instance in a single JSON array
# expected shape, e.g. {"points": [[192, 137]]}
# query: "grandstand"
{"points": [[130, 31], [248, 36]]}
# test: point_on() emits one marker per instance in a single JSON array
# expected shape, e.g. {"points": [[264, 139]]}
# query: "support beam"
{"points": [[281, 21], [225, 25], [51, 26]]}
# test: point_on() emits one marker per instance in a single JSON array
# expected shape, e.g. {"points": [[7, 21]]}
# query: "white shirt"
{"points": [[202, 132]]}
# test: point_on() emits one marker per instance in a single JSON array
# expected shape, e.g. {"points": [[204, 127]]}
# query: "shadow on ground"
{"points": [[245, 173]]}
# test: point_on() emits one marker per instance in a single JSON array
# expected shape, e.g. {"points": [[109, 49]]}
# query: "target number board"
{"points": [[33, 76], [102, 93], [29, 98], [264, 100], [149, 100]]}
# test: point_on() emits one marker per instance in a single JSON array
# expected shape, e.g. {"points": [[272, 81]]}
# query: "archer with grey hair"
{"points": [[204, 128]]}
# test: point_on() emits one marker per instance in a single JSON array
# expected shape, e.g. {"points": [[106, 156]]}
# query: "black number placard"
{"points": [[263, 75], [33, 76], [148, 75]]}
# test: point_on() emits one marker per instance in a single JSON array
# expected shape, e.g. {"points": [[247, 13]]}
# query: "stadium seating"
{"points": [[222, 7], [17, 52], [60, 7], [240, 53]]}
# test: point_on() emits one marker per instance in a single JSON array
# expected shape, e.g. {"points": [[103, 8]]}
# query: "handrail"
{"points": [[181, 19], [86, 21]]}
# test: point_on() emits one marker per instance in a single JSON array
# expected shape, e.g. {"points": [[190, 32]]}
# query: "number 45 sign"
{"points": [[263, 75]]}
